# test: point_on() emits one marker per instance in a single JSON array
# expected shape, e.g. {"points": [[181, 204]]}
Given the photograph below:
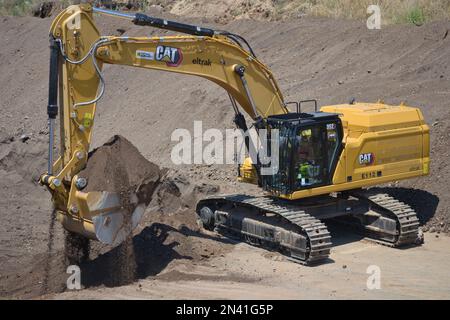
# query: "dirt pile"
{"points": [[118, 166], [178, 193]]}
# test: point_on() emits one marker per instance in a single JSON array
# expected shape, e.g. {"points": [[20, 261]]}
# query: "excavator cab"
{"points": [[310, 145]]}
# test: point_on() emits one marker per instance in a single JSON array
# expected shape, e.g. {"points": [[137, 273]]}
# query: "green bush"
{"points": [[415, 16], [15, 7]]}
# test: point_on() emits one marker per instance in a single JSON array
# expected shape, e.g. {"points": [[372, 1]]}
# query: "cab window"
{"points": [[309, 164], [315, 153]]}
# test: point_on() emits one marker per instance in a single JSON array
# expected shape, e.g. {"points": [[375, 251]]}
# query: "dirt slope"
{"points": [[330, 60]]}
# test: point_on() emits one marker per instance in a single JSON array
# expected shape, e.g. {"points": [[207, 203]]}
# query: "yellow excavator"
{"points": [[325, 157]]}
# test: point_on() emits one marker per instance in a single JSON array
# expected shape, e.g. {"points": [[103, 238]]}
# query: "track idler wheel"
{"points": [[206, 218]]}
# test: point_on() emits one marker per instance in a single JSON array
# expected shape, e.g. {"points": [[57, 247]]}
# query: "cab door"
{"points": [[315, 155]]}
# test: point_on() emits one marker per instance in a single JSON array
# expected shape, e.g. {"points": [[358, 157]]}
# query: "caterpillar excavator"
{"points": [[326, 158]]}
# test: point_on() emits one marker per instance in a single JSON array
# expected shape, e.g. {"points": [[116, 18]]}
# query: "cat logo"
{"points": [[171, 56], [366, 158]]}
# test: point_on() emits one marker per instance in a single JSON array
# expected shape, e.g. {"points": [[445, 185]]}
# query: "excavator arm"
{"points": [[82, 53], [78, 53]]}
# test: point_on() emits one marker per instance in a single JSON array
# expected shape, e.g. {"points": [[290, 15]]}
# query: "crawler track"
{"points": [[271, 223], [296, 229], [389, 221]]}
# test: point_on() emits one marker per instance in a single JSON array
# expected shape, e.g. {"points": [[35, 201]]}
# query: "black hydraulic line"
{"points": [[237, 38], [141, 19]]}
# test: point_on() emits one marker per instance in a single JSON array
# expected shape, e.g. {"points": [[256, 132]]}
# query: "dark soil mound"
{"points": [[118, 166]]}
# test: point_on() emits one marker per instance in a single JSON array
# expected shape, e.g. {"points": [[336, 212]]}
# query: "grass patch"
{"points": [[15, 7], [415, 12], [415, 16]]}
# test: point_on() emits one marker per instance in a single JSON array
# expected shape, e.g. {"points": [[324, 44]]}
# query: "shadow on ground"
{"points": [[423, 202], [152, 254], [341, 235]]}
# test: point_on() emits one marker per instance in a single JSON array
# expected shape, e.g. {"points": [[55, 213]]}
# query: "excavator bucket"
{"points": [[104, 218], [108, 198], [113, 226]]}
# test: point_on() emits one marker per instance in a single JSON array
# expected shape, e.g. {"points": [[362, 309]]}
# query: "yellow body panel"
{"points": [[247, 172], [396, 136]]}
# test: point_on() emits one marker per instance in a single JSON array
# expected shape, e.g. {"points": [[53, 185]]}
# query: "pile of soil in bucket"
{"points": [[118, 166]]}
